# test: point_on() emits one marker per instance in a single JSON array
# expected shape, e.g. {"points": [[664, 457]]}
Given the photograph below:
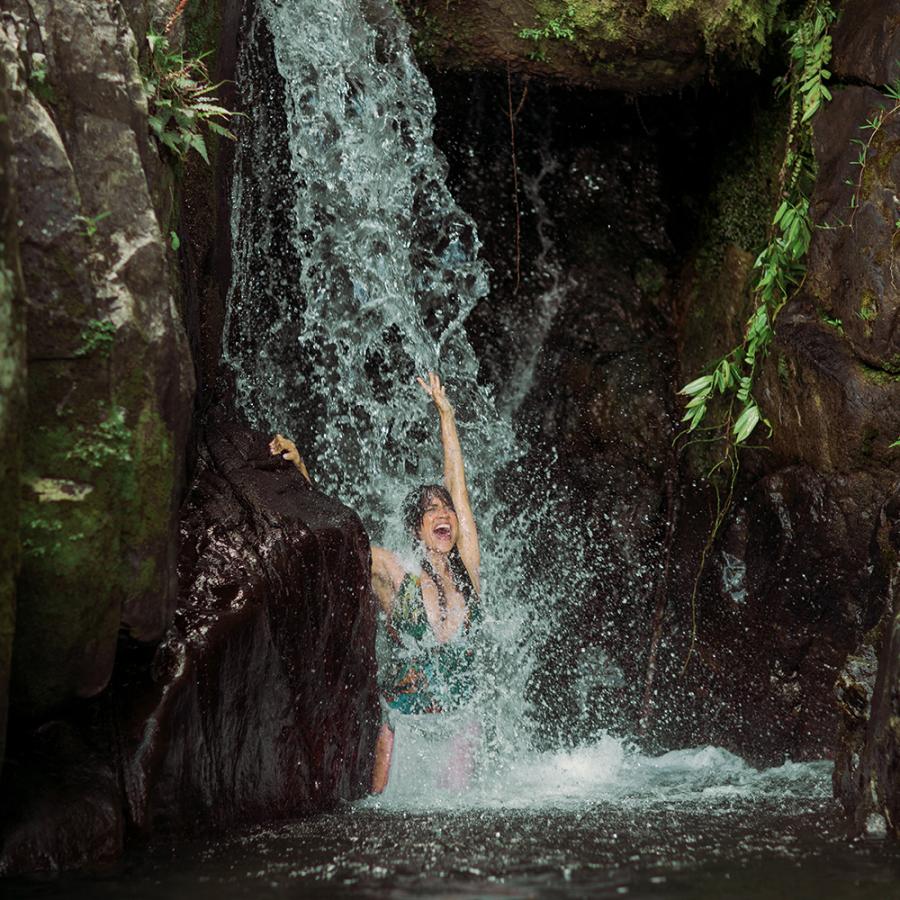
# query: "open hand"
{"points": [[284, 447], [435, 390], [287, 449]]}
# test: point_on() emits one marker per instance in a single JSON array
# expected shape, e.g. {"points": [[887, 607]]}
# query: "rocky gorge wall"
{"points": [[244, 689], [655, 224], [108, 380], [153, 689]]}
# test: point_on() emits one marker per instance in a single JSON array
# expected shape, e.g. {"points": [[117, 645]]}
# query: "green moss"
{"points": [[202, 28], [879, 376], [744, 25], [742, 200], [69, 594], [147, 490], [97, 337], [868, 307], [70, 587], [427, 36], [108, 440]]}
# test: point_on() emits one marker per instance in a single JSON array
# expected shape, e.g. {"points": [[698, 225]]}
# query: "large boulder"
{"points": [[109, 375], [261, 701], [624, 45], [264, 700]]}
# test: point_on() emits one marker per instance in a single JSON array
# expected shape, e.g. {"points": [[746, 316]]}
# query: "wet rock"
{"points": [[12, 403], [63, 810], [866, 776], [109, 377], [260, 703], [263, 702], [787, 594], [631, 45], [866, 42]]}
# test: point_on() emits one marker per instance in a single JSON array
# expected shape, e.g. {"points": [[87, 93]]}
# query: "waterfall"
{"points": [[354, 270]]}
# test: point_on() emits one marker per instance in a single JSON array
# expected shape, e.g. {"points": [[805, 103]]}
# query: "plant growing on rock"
{"points": [[97, 336], [109, 439], [726, 390], [181, 101]]}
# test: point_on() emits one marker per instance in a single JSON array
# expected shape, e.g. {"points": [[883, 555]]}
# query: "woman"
{"points": [[429, 610]]}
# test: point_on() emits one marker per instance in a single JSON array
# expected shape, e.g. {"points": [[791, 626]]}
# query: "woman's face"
{"points": [[440, 527]]}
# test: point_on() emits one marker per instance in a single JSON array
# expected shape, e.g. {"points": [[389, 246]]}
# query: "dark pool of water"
{"points": [[726, 847]]}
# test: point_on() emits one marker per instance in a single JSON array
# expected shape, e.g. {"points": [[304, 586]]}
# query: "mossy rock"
{"points": [[109, 379], [632, 45], [12, 401]]}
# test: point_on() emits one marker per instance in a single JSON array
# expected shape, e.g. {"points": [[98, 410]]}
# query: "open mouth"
{"points": [[442, 531]]}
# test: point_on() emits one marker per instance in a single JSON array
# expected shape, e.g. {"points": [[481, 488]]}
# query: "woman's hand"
{"points": [[287, 449], [435, 390]]}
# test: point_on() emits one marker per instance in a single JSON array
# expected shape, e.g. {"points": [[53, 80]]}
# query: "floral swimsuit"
{"points": [[421, 674]]}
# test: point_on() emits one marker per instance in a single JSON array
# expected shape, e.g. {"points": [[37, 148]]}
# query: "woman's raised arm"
{"points": [[455, 479]]}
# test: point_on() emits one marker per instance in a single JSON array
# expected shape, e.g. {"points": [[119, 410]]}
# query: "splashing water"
{"points": [[354, 270]]}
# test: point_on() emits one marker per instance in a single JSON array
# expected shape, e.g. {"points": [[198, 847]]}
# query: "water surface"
{"points": [[590, 822]]}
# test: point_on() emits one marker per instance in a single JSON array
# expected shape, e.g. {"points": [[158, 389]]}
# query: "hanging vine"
{"points": [[726, 391]]}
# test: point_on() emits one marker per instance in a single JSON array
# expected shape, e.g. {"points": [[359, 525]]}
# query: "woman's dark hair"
{"points": [[414, 507], [417, 501]]}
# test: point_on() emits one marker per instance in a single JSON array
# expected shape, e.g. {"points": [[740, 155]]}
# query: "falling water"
{"points": [[354, 270]]}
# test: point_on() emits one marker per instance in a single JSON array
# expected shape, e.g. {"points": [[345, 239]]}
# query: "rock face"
{"points": [[109, 376], [260, 702], [865, 771], [795, 579], [856, 390], [12, 403], [264, 700], [624, 45], [256, 698]]}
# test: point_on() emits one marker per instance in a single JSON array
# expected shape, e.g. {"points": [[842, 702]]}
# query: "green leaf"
{"points": [[694, 416], [699, 400], [172, 141], [697, 385], [745, 423], [218, 129], [196, 141], [175, 240]]}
